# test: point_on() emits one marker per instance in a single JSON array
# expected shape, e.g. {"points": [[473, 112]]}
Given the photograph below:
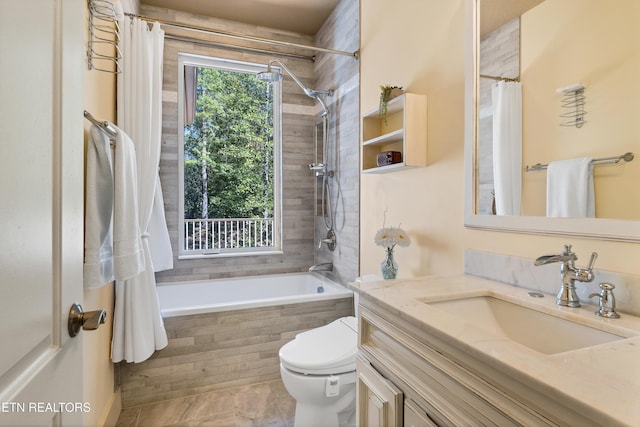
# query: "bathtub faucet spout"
{"points": [[324, 266]]}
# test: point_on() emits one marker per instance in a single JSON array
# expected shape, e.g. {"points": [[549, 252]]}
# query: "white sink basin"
{"points": [[539, 331]]}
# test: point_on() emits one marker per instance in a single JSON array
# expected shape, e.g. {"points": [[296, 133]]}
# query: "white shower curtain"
{"points": [[507, 146], [138, 328]]}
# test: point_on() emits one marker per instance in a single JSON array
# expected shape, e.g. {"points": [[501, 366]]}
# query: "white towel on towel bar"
{"points": [[98, 239], [129, 259], [570, 190], [113, 243]]}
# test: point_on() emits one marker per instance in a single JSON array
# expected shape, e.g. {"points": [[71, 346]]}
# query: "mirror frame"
{"points": [[595, 228]]}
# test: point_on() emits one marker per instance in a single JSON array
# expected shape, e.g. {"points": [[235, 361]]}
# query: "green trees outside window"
{"points": [[229, 162]]}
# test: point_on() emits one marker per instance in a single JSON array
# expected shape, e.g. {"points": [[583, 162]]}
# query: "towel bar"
{"points": [[627, 157], [104, 126]]}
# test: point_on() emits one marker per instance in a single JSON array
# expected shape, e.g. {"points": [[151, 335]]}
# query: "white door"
{"points": [[41, 210]]}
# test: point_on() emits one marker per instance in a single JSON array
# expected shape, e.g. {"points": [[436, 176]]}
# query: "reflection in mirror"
{"points": [[526, 58]]}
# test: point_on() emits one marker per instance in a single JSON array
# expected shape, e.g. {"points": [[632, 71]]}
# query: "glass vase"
{"points": [[389, 266]]}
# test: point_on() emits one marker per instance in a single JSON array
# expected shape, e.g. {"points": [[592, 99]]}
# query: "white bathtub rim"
{"points": [[261, 276], [339, 291]]}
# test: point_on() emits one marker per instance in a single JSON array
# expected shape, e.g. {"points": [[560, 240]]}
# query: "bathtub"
{"points": [[208, 296], [227, 332]]}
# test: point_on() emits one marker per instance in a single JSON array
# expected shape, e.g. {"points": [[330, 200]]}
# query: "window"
{"points": [[229, 158]]}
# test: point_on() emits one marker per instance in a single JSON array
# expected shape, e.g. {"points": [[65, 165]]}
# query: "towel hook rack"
{"points": [[104, 37], [573, 99]]}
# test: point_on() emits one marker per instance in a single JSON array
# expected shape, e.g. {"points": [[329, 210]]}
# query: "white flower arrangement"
{"points": [[389, 237]]}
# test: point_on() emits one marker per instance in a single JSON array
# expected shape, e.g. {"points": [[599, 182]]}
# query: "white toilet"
{"points": [[318, 369]]}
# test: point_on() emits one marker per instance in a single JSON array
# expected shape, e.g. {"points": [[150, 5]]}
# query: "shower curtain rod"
{"points": [[504, 79], [240, 36], [235, 47]]}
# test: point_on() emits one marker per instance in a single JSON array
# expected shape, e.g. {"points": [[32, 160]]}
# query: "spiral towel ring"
{"points": [[104, 36]]}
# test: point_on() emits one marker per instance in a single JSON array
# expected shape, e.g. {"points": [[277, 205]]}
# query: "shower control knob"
{"points": [[88, 321], [330, 241]]}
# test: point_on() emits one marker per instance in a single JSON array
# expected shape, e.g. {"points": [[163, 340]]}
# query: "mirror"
{"points": [[548, 45]]}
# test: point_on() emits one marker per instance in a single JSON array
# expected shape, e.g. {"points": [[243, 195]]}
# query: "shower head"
{"points": [[269, 75]]}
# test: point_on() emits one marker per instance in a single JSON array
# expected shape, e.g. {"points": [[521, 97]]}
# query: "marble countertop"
{"points": [[603, 380]]}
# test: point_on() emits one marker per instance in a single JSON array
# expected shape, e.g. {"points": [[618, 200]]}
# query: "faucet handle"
{"points": [[586, 274], [592, 261], [567, 249]]}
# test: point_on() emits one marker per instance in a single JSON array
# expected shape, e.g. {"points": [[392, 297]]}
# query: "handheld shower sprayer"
{"points": [[321, 169]]}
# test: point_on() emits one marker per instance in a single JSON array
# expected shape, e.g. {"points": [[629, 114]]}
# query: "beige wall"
{"points": [[98, 371], [419, 44], [559, 50]]}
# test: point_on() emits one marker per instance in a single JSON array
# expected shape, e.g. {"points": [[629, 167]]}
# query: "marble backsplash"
{"points": [[521, 272]]}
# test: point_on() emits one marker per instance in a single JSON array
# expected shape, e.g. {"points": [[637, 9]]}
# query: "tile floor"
{"points": [[264, 404]]}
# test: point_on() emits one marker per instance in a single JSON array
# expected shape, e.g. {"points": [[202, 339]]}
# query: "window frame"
{"points": [[186, 59]]}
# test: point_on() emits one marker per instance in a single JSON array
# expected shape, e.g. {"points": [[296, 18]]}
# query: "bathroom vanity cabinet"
{"points": [[404, 131], [410, 376]]}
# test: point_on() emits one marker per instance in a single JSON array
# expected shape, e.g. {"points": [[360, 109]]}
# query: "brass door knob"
{"points": [[88, 321]]}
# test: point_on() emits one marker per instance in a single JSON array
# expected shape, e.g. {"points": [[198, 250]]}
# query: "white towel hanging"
{"points": [[98, 243], [570, 191]]}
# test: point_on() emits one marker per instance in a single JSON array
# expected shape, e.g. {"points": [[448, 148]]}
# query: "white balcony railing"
{"points": [[227, 233]]}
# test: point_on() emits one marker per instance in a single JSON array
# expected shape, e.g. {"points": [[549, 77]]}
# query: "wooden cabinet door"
{"points": [[379, 401], [414, 416]]}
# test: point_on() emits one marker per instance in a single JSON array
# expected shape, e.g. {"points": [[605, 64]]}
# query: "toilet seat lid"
{"points": [[329, 349]]}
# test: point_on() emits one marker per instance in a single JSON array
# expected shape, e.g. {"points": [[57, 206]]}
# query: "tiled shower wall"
{"points": [[341, 31], [297, 150], [340, 73]]}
